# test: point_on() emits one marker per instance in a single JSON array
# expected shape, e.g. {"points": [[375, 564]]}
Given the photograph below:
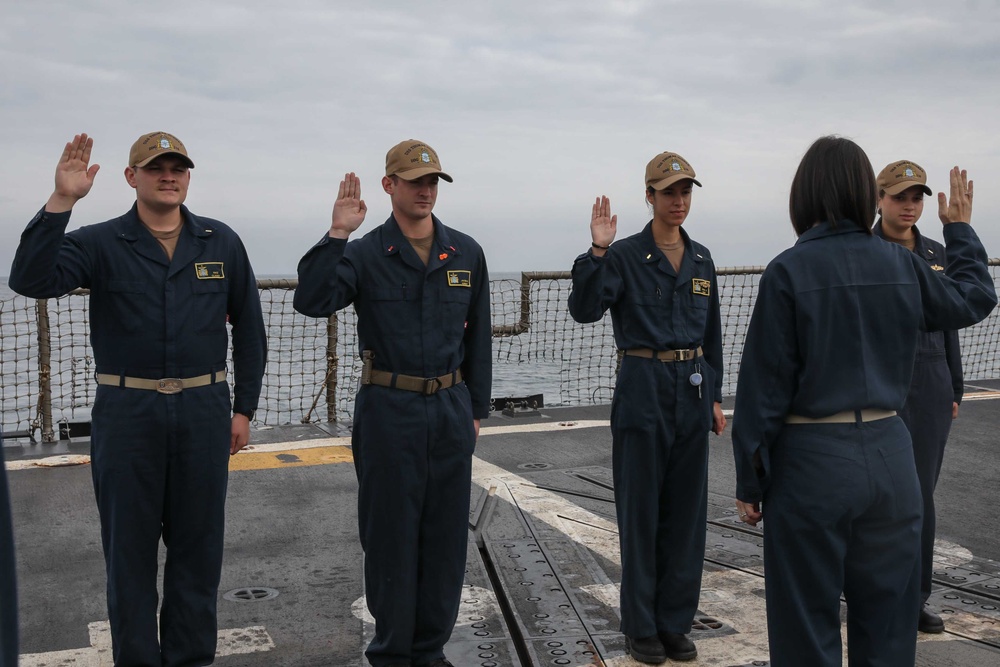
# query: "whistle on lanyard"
{"points": [[696, 378]]}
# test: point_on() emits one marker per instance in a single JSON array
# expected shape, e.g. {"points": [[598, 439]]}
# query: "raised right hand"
{"points": [[74, 175], [957, 207], [349, 209], [603, 225]]}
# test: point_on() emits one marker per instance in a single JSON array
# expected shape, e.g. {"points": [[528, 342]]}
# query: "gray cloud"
{"points": [[535, 108]]}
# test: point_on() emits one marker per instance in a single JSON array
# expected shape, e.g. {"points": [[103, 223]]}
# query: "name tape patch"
{"points": [[209, 270], [460, 279], [701, 287]]}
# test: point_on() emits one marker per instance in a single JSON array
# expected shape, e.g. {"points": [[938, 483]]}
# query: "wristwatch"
{"points": [[249, 415]]}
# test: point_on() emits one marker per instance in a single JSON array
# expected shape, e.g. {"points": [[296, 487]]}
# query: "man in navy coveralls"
{"points": [[421, 293], [163, 284]]}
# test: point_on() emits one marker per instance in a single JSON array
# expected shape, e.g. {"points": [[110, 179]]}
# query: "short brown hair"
{"points": [[834, 183]]}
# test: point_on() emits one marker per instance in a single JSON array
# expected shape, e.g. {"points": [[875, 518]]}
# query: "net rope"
{"points": [[537, 349]]}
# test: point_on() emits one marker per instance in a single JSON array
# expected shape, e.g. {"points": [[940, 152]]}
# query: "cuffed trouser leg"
{"points": [[444, 525], [194, 526], [129, 444], [927, 415]]}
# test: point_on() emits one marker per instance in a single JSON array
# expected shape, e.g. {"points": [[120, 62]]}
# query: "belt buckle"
{"points": [[170, 386], [684, 355], [431, 386]]}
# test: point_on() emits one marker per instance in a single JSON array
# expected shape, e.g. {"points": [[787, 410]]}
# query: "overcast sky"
{"points": [[534, 108]]}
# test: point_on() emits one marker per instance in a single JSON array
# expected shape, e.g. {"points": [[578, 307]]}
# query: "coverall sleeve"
{"points": [[477, 364], [327, 279], [249, 335], [597, 285], [769, 370], [965, 295], [713, 337], [953, 355], [48, 262]]}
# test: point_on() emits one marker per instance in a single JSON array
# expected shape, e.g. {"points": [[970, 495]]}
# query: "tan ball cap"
{"points": [[412, 159], [901, 175], [150, 146], [666, 169]]}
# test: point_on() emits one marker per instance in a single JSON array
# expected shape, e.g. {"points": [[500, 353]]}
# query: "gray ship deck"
{"points": [[543, 564]]}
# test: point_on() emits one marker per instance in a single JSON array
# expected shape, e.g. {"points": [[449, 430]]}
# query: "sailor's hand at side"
{"points": [[349, 210], [749, 512], [718, 419], [957, 207], [239, 434], [603, 225], [74, 175]]}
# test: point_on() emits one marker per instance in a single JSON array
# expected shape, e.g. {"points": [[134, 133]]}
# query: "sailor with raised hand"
{"points": [[661, 288], [421, 294], [821, 454], [163, 284]]}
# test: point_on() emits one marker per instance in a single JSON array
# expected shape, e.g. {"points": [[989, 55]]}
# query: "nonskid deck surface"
{"points": [[543, 565]]}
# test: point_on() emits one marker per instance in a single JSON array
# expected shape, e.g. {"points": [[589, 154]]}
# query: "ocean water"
{"points": [[517, 372], [568, 363]]}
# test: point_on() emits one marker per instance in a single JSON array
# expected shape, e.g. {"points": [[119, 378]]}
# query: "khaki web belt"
{"points": [[664, 355], [163, 385], [425, 386], [845, 417]]}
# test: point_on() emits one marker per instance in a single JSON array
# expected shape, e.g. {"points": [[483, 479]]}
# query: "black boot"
{"points": [[646, 649], [678, 647], [930, 622]]}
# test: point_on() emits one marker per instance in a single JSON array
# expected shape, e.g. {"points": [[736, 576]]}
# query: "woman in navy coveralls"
{"points": [[664, 299], [826, 365], [937, 386]]}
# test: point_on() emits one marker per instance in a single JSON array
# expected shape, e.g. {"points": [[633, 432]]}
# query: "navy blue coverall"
{"points": [[659, 420], [937, 383], [160, 462], [8, 583], [412, 452], [834, 330]]}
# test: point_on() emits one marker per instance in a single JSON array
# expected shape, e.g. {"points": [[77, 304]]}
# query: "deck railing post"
{"points": [[44, 370], [331, 368]]}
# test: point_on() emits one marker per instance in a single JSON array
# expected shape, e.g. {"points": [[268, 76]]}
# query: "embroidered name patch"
{"points": [[701, 287], [209, 270], [460, 279]]}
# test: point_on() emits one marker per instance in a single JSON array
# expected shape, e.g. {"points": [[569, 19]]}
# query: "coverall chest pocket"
{"points": [[649, 299], [697, 301], [127, 302], [454, 312], [696, 310], [210, 300], [393, 305]]}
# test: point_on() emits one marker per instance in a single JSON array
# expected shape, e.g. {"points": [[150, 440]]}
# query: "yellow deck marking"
{"points": [[323, 451], [981, 395], [308, 456]]}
